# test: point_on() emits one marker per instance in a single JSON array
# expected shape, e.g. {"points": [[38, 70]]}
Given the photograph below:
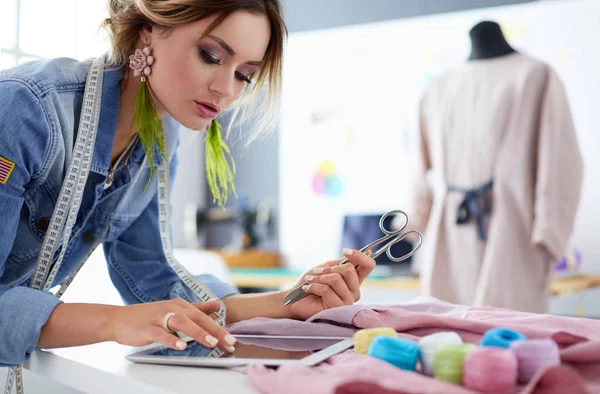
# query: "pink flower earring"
{"points": [[140, 62]]}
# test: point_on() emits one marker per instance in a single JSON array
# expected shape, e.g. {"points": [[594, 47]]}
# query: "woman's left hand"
{"points": [[331, 285]]}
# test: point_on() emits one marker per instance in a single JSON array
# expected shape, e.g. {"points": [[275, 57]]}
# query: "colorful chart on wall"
{"points": [[349, 119]]}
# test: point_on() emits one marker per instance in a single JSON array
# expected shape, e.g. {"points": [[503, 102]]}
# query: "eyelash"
{"points": [[211, 59]]}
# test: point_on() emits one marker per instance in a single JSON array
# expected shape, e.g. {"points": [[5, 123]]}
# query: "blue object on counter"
{"points": [[399, 352], [501, 337]]}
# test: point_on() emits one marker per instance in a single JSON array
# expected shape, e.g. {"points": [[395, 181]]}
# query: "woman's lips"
{"points": [[206, 109]]}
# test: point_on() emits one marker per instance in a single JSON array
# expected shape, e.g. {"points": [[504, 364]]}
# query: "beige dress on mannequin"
{"points": [[505, 119]]}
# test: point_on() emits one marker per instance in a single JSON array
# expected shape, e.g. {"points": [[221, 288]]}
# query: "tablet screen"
{"points": [[257, 347]]}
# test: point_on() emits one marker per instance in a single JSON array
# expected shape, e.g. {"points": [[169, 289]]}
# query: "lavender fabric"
{"points": [[338, 321]]}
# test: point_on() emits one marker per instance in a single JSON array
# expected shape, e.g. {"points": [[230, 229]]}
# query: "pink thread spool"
{"points": [[534, 355], [491, 369]]}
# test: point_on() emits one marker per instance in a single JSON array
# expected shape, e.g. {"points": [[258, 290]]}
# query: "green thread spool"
{"points": [[449, 360]]}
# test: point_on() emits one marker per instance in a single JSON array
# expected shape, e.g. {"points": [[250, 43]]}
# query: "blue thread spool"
{"points": [[501, 337], [399, 352]]}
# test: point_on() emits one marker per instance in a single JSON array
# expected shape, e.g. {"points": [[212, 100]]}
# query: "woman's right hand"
{"points": [[141, 324]]}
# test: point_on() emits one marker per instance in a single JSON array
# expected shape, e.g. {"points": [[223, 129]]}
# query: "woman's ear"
{"points": [[146, 34]]}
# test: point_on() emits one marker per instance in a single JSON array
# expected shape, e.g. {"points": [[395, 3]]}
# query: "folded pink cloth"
{"points": [[578, 338]]}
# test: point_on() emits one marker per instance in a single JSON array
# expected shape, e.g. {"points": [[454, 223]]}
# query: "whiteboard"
{"points": [[349, 113]]}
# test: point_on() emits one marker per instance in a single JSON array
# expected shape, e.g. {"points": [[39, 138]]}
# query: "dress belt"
{"points": [[476, 204]]}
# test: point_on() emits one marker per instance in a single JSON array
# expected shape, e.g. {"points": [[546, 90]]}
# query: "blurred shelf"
{"points": [[276, 278], [574, 284], [252, 258]]}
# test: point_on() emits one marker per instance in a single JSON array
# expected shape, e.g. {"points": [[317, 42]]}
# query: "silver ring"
{"points": [[165, 322]]}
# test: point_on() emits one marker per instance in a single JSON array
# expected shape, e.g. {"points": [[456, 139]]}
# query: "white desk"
{"points": [[102, 368]]}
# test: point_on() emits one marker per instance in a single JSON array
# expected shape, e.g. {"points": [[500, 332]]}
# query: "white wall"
{"points": [[190, 186], [350, 98]]}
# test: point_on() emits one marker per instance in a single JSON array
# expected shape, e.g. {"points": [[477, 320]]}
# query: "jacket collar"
{"points": [[107, 124]]}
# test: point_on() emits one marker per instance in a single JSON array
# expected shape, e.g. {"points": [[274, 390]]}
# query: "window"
{"points": [[35, 29]]}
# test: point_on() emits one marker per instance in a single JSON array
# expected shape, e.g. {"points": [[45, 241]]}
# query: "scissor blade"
{"points": [[294, 295]]}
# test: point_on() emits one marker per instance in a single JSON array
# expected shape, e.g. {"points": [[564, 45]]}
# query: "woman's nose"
{"points": [[223, 85]]}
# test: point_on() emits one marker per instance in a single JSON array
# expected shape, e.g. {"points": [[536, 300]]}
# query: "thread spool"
{"points": [[448, 362], [402, 353], [363, 338], [534, 355], [501, 337], [491, 369], [429, 344]]}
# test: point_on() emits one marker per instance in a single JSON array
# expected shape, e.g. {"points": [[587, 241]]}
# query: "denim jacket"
{"points": [[40, 103]]}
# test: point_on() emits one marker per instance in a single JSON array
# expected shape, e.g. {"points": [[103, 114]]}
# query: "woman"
{"points": [[193, 59]]}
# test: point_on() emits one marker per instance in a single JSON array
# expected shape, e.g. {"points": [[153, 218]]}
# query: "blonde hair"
{"points": [[128, 17]]}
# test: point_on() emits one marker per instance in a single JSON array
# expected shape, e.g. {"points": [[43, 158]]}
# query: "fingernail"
{"points": [[305, 287], [230, 339], [318, 270], [180, 345], [230, 349], [212, 340], [347, 252], [308, 278]]}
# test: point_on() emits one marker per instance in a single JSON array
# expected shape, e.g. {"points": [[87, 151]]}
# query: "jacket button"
{"points": [[42, 224], [89, 237]]}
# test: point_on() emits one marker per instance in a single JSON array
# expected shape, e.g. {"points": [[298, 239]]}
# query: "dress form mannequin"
{"points": [[487, 41], [495, 126]]}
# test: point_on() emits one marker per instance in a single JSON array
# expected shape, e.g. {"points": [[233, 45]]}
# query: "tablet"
{"points": [[249, 349]]}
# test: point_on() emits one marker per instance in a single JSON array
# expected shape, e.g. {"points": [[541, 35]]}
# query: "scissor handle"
{"points": [[387, 215], [399, 238], [395, 236]]}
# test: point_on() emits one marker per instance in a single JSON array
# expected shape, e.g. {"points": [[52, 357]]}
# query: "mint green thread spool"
{"points": [[449, 360]]}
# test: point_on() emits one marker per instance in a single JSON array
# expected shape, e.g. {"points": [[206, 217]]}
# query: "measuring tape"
{"points": [[65, 212], [67, 205]]}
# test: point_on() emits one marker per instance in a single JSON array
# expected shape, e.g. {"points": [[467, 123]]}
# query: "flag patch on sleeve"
{"points": [[6, 167]]}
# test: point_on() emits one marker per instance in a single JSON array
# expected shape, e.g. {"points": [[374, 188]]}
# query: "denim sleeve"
{"points": [[138, 267], [24, 140]]}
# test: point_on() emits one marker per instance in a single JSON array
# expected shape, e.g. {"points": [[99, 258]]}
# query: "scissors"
{"points": [[393, 236]]}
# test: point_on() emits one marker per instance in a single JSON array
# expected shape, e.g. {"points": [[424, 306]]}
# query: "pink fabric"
{"points": [[471, 324], [578, 338], [338, 321], [351, 373]]}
